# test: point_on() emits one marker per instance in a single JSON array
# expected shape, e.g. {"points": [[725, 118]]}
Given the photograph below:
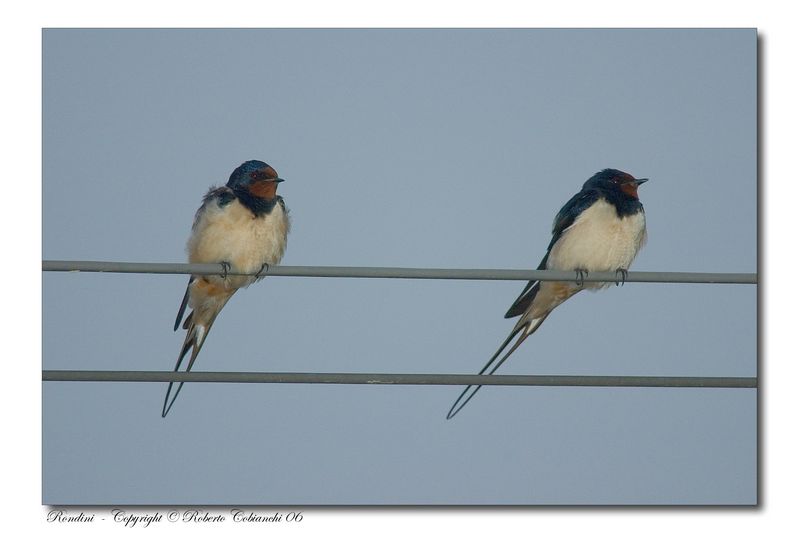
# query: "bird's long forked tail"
{"points": [[524, 329], [197, 326], [195, 338]]}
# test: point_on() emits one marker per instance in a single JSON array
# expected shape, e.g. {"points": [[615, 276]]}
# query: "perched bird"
{"points": [[243, 226], [601, 228]]}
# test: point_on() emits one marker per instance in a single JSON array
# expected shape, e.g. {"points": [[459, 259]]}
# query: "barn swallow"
{"points": [[601, 229], [243, 226]]}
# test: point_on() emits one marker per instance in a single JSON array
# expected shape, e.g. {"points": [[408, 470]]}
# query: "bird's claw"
{"points": [[225, 269], [621, 276], [580, 276], [263, 270]]}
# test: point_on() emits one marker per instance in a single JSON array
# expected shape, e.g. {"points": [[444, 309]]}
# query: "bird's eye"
{"points": [[253, 174]]}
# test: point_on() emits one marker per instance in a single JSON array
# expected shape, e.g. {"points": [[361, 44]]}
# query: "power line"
{"points": [[398, 273], [400, 379]]}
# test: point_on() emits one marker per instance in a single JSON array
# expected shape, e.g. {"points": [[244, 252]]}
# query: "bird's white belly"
{"points": [[234, 235], [599, 240]]}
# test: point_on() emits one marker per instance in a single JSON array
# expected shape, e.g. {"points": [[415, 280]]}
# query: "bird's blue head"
{"points": [[614, 181], [256, 178]]}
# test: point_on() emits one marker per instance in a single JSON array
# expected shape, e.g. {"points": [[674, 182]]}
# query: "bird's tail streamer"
{"points": [[524, 328], [195, 338]]}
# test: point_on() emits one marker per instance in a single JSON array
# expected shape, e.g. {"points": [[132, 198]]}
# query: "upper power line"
{"points": [[400, 273]]}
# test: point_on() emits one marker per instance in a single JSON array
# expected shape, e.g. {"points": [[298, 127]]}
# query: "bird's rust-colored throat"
{"points": [[266, 189], [630, 189]]}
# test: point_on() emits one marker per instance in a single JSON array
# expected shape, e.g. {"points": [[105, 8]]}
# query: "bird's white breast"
{"points": [[232, 233], [599, 240]]}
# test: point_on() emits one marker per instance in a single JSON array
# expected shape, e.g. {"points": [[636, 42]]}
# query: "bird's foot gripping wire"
{"points": [[621, 276], [580, 276], [264, 269], [225, 269]]}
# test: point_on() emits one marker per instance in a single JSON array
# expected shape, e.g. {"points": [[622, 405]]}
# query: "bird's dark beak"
{"points": [[641, 181], [280, 180]]}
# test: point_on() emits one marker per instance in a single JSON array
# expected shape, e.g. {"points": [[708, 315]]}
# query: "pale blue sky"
{"points": [[399, 148]]}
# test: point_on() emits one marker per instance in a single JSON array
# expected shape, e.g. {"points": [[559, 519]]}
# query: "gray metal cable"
{"points": [[399, 379], [399, 273]]}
